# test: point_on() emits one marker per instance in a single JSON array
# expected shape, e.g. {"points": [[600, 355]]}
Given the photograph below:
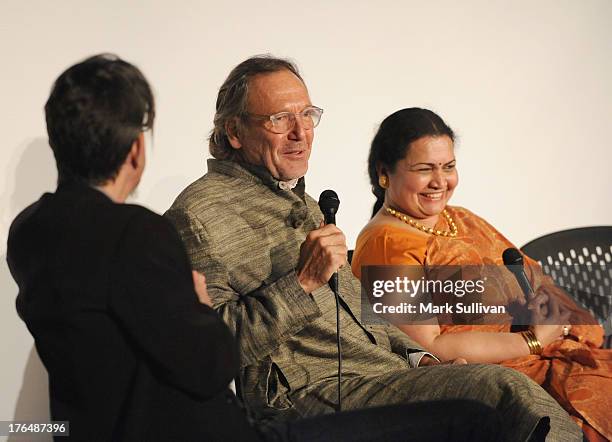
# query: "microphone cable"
{"points": [[334, 283], [329, 203]]}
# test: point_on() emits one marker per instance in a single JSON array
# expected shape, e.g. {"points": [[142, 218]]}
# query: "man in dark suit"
{"points": [[124, 327], [106, 288]]}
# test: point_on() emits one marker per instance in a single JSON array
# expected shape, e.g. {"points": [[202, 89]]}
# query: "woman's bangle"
{"points": [[535, 346]]}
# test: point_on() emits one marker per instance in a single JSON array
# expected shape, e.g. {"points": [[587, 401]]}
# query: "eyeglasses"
{"points": [[283, 122]]}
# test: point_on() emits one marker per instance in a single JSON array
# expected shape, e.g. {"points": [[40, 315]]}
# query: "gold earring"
{"points": [[383, 181]]}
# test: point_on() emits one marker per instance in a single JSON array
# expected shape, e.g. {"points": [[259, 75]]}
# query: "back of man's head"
{"points": [[97, 108]]}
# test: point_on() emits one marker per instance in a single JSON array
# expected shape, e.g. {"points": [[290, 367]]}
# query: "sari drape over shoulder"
{"points": [[576, 372]]}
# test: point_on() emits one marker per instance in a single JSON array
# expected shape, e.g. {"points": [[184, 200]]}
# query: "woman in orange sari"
{"points": [[413, 173]]}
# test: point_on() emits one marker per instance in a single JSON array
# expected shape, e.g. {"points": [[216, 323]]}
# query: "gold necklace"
{"points": [[402, 217]]}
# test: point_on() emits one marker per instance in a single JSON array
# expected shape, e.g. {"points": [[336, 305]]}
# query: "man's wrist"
{"points": [[302, 282], [422, 359], [308, 285]]}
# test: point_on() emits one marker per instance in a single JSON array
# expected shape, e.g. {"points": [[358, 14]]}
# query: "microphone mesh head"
{"points": [[512, 257], [329, 201]]}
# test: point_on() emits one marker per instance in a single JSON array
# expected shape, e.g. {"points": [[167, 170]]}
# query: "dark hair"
{"points": [[392, 141], [233, 98], [97, 108]]}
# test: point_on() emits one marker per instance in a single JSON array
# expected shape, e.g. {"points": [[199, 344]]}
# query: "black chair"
{"points": [[580, 261]]}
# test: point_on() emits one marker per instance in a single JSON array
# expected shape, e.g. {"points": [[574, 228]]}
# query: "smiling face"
{"points": [[284, 155], [424, 180]]}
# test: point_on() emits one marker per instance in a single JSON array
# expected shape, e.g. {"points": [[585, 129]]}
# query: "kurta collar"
{"points": [[258, 174]]}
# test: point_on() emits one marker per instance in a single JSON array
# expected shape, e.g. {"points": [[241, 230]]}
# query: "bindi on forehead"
{"points": [[438, 165]]}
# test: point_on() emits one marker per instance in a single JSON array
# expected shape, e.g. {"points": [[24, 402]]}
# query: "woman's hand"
{"points": [[548, 317]]}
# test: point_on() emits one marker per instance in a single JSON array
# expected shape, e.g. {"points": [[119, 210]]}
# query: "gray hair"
{"points": [[231, 108]]}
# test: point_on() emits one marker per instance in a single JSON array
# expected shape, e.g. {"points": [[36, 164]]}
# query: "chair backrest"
{"points": [[580, 261]]}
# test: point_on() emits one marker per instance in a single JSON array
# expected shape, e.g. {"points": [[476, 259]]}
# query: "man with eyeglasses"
{"points": [[251, 228]]}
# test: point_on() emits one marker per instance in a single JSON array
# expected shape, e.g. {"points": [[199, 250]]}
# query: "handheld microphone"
{"points": [[514, 262], [329, 203]]}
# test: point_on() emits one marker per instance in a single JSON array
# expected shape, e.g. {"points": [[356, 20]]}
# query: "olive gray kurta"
{"points": [[244, 233]]}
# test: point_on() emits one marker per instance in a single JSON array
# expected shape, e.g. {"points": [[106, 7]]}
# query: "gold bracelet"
{"points": [[535, 346], [536, 343], [527, 339]]}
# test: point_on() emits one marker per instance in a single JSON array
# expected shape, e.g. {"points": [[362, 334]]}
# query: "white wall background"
{"points": [[527, 86]]}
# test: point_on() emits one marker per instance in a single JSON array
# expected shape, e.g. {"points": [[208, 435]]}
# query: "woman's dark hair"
{"points": [[392, 141], [97, 108]]}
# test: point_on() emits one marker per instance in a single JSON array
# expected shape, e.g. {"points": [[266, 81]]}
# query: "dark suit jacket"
{"points": [[107, 293]]}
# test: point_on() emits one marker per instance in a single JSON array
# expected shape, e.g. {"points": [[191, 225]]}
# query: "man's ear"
{"points": [[231, 128], [136, 157]]}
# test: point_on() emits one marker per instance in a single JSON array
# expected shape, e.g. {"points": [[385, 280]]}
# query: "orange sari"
{"points": [[576, 372]]}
